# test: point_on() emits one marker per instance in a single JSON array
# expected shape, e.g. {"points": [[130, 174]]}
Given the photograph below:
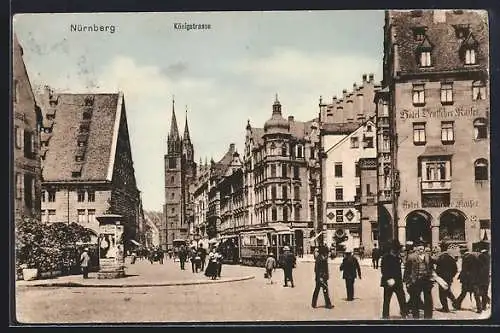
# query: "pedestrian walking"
{"points": [[321, 278], [446, 268], [418, 279], [270, 266], [211, 270], [392, 280], [218, 260], [361, 250], [288, 262], [193, 258], [469, 277], [203, 256], [351, 270], [133, 256], [375, 256], [84, 263], [182, 256], [484, 277]]}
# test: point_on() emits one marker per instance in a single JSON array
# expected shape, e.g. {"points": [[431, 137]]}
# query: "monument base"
{"points": [[111, 274]]}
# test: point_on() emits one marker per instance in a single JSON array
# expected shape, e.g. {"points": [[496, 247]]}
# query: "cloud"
{"points": [[175, 70]]}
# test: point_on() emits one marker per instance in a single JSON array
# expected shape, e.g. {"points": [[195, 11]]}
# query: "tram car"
{"points": [[255, 245], [229, 247]]}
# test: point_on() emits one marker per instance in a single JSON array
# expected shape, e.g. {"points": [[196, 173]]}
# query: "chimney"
{"points": [[334, 100], [231, 147], [370, 77], [364, 78], [354, 86], [290, 118], [439, 16]]}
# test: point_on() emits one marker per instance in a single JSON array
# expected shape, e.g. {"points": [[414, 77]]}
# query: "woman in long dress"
{"points": [[212, 268]]}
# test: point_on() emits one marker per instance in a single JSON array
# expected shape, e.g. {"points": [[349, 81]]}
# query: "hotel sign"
{"points": [[435, 203], [439, 113]]}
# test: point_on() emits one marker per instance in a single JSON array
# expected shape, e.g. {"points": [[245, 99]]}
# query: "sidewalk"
{"points": [[145, 274], [335, 261]]}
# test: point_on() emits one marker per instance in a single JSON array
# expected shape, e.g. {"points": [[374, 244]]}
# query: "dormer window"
{"points": [[425, 58], [419, 33], [461, 30], [470, 56]]}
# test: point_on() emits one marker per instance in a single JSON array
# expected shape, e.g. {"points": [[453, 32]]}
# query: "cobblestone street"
{"points": [[250, 300]]}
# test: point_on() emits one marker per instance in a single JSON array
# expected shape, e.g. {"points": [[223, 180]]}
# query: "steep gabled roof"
{"points": [[60, 160], [356, 128]]}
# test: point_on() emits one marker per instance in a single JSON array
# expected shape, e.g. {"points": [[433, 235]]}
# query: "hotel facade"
{"points": [[436, 78]]}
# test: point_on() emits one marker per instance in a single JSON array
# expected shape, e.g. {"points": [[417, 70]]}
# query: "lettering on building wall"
{"points": [[406, 204], [439, 113]]}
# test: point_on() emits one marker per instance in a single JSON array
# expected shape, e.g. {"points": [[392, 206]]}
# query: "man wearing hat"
{"points": [[446, 268], [391, 279], [288, 263], [321, 272], [351, 270], [484, 276], [418, 279], [84, 262]]}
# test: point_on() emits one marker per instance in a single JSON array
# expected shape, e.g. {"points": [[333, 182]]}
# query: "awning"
{"points": [[134, 242]]}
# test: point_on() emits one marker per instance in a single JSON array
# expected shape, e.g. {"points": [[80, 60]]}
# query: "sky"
{"points": [[223, 76]]}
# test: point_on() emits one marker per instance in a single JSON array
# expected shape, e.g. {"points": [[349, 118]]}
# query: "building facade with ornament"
{"points": [[87, 164], [436, 76]]}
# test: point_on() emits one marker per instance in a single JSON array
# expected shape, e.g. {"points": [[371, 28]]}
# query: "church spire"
{"points": [[174, 131], [186, 128]]}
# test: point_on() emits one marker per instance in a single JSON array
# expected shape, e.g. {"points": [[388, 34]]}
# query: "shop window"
{"points": [[480, 129], [447, 133], [419, 133], [481, 169]]}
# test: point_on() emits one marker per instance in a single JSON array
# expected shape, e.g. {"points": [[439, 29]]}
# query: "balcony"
{"points": [[436, 186]]}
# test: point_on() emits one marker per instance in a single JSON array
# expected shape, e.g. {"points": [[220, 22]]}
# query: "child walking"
{"points": [[270, 266]]}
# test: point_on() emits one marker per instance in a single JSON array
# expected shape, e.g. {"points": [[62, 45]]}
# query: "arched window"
{"points": [[481, 169], [480, 129]]}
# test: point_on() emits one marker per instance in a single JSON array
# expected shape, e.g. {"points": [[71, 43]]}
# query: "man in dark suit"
{"points": [[288, 263], [351, 270], [375, 256], [392, 280], [418, 279], [321, 271], [446, 268], [484, 277]]}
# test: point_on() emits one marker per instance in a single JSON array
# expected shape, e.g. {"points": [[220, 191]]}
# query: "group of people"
{"points": [[423, 269], [198, 258], [414, 271]]}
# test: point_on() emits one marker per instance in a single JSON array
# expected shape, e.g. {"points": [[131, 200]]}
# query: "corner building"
{"points": [[436, 69]]}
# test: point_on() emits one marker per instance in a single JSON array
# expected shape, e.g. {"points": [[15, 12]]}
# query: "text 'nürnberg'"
{"points": [[92, 28], [191, 26]]}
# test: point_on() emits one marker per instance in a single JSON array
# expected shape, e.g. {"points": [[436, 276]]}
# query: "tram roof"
{"points": [[278, 227]]}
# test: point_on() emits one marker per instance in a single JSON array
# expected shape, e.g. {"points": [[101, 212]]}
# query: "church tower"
{"points": [[172, 210], [180, 172]]}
